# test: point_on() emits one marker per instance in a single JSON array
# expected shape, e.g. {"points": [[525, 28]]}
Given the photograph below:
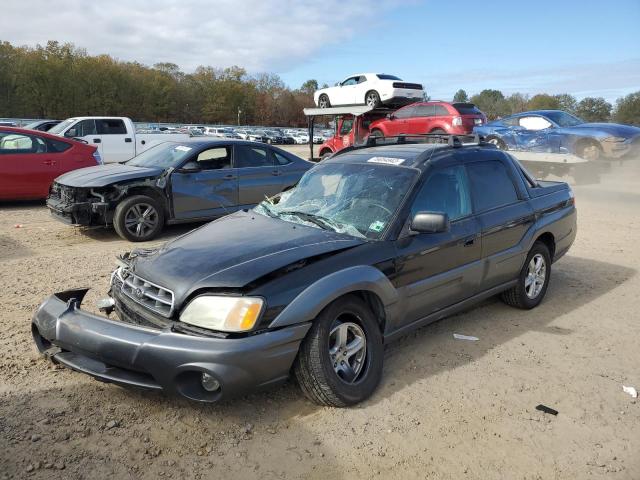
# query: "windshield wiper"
{"points": [[267, 209], [322, 222]]}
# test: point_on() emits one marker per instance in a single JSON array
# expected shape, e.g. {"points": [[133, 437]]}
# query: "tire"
{"points": [[325, 155], [323, 101], [529, 296], [589, 150], [372, 99], [376, 133], [321, 377], [498, 143], [127, 223]]}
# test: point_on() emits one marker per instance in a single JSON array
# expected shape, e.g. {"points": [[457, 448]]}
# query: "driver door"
{"points": [[437, 270], [347, 91], [533, 134], [206, 186]]}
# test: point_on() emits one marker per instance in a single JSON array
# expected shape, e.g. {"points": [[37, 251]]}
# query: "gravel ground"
{"points": [[446, 408]]}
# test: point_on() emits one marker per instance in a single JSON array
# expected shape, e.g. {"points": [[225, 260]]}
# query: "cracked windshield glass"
{"points": [[355, 199]]}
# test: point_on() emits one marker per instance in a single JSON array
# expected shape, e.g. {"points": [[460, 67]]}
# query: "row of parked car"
{"points": [[272, 136]]}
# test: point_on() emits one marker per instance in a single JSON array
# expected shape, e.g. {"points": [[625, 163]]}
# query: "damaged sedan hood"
{"points": [[103, 175], [234, 251]]}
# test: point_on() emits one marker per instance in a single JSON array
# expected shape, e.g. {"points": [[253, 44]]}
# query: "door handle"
{"points": [[96, 140], [50, 162], [127, 140], [275, 173], [229, 177]]}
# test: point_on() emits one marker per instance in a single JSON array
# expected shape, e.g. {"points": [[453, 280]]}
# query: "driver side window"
{"points": [[534, 123], [447, 191], [350, 81], [214, 158]]}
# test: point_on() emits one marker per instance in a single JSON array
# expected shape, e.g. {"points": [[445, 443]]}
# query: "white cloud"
{"points": [[260, 35]]}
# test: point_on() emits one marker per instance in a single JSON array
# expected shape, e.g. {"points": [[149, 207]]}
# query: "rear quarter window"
{"points": [[466, 109], [56, 146]]}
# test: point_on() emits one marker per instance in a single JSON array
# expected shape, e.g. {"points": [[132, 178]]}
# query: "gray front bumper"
{"points": [[129, 355]]}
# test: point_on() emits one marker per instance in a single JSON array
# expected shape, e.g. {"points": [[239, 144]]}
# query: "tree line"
{"points": [[591, 109], [60, 80]]}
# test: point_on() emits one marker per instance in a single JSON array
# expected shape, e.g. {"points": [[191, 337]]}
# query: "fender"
{"points": [[310, 302]]}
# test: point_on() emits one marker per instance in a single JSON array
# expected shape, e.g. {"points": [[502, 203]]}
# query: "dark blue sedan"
{"points": [[555, 131], [174, 182]]}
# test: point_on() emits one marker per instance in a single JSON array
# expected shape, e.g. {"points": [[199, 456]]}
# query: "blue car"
{"points": [[555, 131]]}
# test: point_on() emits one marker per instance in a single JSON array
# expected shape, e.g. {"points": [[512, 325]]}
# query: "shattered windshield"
{"points": [[564, 119], [356, 199], [164, 155]]}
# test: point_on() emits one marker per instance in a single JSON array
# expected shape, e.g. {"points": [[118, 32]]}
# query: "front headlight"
{"points": [[227, 314]]}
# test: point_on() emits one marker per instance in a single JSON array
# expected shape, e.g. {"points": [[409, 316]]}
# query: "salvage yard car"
{"points": [[370, 245], [372, 89], [174, 182], [30, 160], [115, 137], [555, 131]]}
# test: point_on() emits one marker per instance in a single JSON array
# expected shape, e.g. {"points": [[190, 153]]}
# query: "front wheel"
{"points": [[138, 218], [533, 279], [340, 360], [323, 101]]}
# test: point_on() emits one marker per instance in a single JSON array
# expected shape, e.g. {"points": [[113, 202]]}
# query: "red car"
{"points": [[30, 160], [430, 117]]}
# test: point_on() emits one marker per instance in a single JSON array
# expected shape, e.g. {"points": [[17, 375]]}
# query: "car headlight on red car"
{"points": [[223, 313]]}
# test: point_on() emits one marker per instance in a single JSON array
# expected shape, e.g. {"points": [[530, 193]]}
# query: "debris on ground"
{"points": [[465, 337], [545, 409], [631, 391]]}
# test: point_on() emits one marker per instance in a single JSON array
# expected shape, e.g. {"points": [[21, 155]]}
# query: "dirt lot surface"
{"points": [[446, 408]]}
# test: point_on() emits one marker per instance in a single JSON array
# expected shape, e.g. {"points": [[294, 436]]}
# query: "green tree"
{"points": [[309, 87], [492, 103], [542, 101], [566, 102], [461, 96], [518, 102], [628, 109], [594, 109]]}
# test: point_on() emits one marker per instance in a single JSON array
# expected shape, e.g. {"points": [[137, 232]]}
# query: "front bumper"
{"points": [[630, 148], [161, 359], [80, 213]]}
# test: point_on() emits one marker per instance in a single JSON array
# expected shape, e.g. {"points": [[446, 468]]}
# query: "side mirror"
{"points": [[72, 132], [430, 222], [336, 84], [391, 116], [190, 167]]}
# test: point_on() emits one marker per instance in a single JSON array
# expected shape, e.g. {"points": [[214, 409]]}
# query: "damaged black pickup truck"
{"points": [[372, 243], [173, 182]]}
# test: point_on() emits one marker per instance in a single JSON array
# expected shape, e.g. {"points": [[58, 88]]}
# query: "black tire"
{"points": [[314, 366], [498, 143], [326, 154], [323, 101], [134, 207], [376, 133], [372, 99], [518, 296], [589, 150]]}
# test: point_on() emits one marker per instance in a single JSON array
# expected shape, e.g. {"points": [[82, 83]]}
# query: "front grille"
{"points": [[66, 194], [154, 297]]}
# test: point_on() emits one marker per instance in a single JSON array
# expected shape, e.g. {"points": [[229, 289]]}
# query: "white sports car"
{"points": [[372, 89]]}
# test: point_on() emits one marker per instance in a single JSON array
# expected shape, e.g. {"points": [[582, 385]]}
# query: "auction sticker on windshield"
{"points": [[377, 226], [182, 148], [387, 160]]}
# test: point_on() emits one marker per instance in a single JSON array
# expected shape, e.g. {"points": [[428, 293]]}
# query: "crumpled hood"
{"points": [[233, 251], [103, 175], [606, 129]]}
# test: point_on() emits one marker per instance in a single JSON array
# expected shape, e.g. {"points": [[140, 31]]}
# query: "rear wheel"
{"points": [[323, 101], [325, 154], [340, 360], [533, 280], [372, 99], [376, 133], [138, 218]]}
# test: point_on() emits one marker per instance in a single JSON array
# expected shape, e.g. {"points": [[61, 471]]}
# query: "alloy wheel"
{"points": [[536, 276], [141, 219], [347, 350]]}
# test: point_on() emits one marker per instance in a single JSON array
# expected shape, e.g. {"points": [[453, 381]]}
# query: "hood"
{"points": [[103, 175], [233, 251], [607, 129]]}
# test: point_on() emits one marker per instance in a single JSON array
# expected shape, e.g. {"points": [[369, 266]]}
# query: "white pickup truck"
{"points": [[115, 137]]}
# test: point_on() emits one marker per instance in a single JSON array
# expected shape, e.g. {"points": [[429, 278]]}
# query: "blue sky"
{"points": [[587, 48]]}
